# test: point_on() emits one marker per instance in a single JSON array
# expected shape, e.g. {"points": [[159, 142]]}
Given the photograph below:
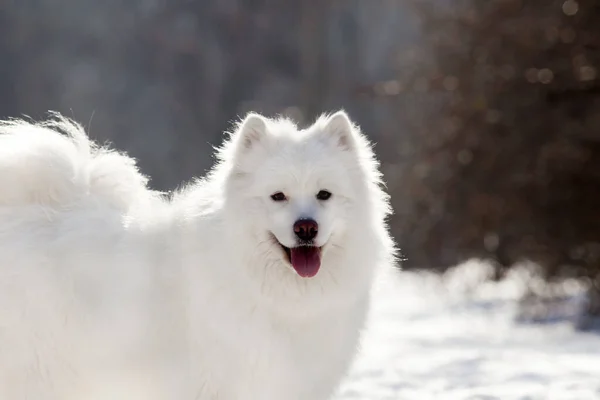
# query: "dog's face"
{"points": [[296, 190]]}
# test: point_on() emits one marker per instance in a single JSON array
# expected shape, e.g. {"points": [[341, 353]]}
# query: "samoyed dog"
{"points": [[252, 283]]}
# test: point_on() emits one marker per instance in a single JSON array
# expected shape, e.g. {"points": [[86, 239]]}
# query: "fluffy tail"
{"points": [[53, 163]]}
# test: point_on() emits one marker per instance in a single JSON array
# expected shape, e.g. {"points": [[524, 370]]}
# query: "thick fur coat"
{"points": [[252, 283]]}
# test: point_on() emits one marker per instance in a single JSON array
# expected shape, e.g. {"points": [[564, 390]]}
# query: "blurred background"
{"points": [[486, 114]]}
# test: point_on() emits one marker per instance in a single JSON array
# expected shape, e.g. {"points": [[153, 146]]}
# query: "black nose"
{"points": [[306, 229]]}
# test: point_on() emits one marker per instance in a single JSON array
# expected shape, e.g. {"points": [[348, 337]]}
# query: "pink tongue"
{"points": [[306, 260]]}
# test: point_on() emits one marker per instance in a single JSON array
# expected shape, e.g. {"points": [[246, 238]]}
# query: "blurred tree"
{"points": [[509, 168]]}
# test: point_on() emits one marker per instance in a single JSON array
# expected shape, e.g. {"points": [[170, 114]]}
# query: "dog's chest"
{"points": [[271, 360], [292, 365]]}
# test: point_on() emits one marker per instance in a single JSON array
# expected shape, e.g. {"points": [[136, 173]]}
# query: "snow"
{"points": [[457, 337]]}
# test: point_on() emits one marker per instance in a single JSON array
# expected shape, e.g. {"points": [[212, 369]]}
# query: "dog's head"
{"points": [[301, 194]]}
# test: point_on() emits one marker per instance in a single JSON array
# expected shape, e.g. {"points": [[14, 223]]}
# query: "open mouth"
{"points": [[305, 259]]}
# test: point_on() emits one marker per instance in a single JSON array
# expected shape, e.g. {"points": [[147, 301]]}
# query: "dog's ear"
{"points": [[340, 129], [251, 131]]}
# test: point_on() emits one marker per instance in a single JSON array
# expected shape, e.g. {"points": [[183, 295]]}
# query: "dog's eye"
{"points": [[278, 196], [323, 195]]}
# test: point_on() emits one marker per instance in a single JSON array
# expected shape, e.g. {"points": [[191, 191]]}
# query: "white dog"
{"points": [[250, 284]]}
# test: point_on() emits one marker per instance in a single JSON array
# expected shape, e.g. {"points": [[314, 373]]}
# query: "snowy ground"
{"points": [[455, 339]]}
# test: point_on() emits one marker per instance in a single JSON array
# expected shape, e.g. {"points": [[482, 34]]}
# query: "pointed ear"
{"points": [[340, 130], [250, 132]]}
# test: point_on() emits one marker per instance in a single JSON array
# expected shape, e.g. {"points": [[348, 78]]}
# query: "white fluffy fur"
{"points": [[110, 291]]}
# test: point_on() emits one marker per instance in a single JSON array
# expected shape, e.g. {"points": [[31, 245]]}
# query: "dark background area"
{"points": [[486, 114]]}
